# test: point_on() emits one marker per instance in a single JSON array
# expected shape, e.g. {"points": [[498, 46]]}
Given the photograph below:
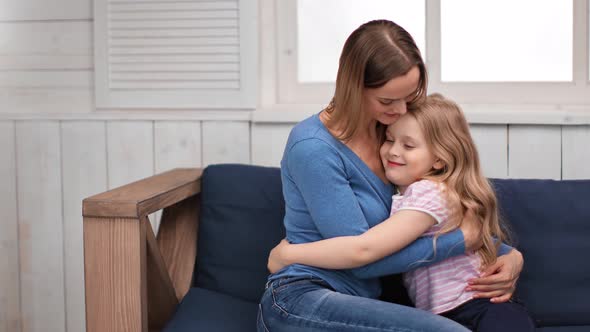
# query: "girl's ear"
{"points": [[438, 164]]}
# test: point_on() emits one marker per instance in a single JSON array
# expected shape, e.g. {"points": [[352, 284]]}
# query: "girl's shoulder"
{"points": [[425, 196], [424, 186]]}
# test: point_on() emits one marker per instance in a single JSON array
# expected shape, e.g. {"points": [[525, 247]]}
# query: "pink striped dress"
{"points": [[439, 287]]}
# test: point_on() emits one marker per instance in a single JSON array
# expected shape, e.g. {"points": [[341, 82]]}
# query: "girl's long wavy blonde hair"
{"points": [[447, 133]]}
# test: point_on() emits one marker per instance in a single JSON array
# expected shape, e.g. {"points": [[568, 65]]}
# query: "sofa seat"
{"points": [[205, 310], [584, 328]]}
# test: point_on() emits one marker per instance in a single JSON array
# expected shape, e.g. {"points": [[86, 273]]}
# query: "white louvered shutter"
{"points": [[175, 53]]}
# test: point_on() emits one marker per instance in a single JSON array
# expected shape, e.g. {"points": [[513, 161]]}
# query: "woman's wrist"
{"points": [[286, 256], [518, 256]]}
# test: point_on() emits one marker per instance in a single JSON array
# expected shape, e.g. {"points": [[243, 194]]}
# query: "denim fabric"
{"points": [[481, 315], [309, 304]]}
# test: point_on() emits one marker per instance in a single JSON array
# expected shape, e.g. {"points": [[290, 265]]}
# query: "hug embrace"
{"points": [[386, 180]]}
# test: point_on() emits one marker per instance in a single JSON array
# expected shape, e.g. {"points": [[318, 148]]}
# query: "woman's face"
{"points": [[387, 103]]}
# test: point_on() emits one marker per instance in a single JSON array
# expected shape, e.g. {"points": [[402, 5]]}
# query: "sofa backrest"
{"points": [[550, 222], [242, 210], [242, 219]]}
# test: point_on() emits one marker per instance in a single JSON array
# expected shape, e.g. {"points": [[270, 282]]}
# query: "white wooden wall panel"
{"points": [[35, 10], [534, 152], [40, 226], [226, 142], [46, 100], [45, 66], [9, 270], [178, 144], [46, 45], [268, 143], [576, 152], [130, 147], [492, 146], [46, 79], [84, 174]]}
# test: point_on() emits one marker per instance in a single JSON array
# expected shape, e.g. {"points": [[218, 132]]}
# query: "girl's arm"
{"points": [[345, 252], [334, 207]]}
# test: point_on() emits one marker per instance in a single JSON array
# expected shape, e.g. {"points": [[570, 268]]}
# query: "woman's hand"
{"points": [[498, 281], [275, 260], [471, 229]]}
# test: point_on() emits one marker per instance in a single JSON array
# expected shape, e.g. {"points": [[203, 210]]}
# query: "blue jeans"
{"points": [[309, 304]]}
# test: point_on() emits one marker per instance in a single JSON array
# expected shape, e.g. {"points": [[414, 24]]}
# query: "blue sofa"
{"points": [[241, 220]]}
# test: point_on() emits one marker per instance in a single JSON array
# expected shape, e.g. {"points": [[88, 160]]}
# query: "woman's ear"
{"points": [[438, 164]]}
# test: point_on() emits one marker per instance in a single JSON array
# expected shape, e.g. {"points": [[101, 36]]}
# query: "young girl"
{"points": [[431, 158]]}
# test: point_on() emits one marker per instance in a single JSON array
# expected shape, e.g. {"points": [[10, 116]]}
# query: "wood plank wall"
{"points": [[46, 62], [46, 66]]}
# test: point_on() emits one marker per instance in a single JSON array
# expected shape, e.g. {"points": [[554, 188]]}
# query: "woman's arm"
{"points": [[322, 182], [346, 252], [384, 239], [498, 281], [468, 239]]}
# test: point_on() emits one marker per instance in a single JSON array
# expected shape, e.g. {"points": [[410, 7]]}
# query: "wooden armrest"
{"points": [[146, 196], [134, 280]]}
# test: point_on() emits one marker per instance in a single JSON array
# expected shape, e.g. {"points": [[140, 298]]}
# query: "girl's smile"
{"points": [[405, 154], [394, 164]]}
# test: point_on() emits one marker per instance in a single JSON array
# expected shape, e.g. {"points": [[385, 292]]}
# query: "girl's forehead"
{"points": [[406, 126], [405, 122]]}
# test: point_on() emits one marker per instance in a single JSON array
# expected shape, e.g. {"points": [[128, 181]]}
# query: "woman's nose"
{"points": [[400, 107]]}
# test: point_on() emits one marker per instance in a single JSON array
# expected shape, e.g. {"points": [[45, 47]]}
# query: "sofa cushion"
{"points": [[581, 328], [550, 221], [241, 220], [205, 310]]}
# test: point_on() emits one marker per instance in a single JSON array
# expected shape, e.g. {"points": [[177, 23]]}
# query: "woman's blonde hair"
{"points": [[373, 54], [447, 133]]}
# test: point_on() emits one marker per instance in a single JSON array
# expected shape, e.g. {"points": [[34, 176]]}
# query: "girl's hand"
{"points": [[498, 281], [275, 261], [471, 229]]}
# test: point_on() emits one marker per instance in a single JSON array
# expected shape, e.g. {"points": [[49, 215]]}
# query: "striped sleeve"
{"points": [[426, 196]]}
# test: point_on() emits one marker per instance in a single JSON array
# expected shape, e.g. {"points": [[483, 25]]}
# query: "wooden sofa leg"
{"points": [[115, 275]]}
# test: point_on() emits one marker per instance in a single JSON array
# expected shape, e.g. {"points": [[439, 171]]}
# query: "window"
{"points": [[319, 45], [477, 51], [493, 44]]}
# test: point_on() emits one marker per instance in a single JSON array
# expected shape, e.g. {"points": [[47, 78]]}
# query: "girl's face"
{"points": [[405, 155], [387, 103]]}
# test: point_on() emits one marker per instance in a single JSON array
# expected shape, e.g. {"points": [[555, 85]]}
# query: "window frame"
{"points": [[576, 92]]}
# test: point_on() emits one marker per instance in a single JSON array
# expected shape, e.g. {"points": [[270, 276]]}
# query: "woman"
{"points": [[334, 185]]}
